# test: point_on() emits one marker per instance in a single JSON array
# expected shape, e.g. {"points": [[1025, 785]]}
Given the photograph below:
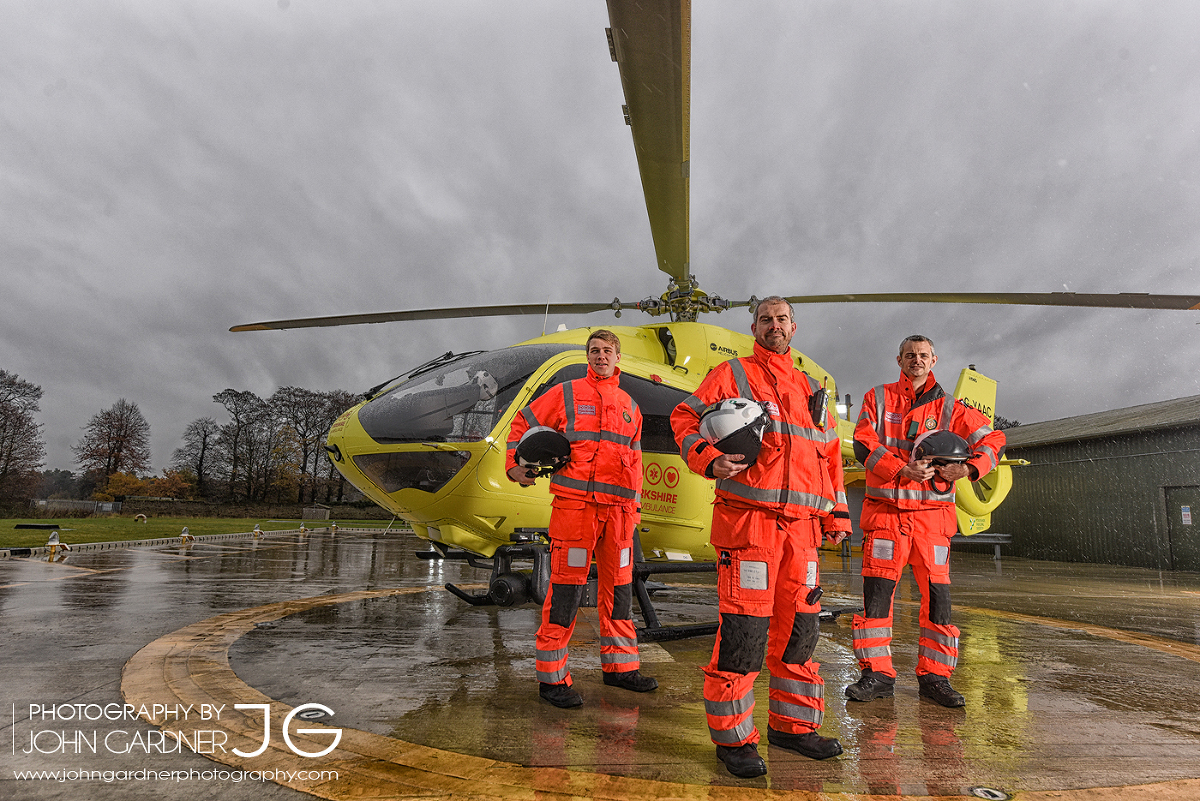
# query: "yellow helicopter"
{"points": [[429, 445]]}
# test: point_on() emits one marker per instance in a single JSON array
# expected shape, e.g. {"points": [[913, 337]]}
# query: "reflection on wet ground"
{"points": [[1100, 690], [1049, 706]]}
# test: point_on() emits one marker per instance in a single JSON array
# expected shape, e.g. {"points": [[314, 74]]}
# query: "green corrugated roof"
{"points": [[1162, 414]]}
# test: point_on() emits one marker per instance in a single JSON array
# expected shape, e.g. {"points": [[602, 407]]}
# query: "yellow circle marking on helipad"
{"points": [[191, 666]]}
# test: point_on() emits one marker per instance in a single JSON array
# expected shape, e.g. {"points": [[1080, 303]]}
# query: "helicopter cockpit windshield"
{"points": [[458, 401]]}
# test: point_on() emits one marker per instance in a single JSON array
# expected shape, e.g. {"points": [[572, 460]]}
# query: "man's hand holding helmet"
{"points": [[735, 427], [540, 452], [941, 453]]}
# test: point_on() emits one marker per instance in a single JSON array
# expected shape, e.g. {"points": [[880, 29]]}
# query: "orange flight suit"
{"points": [[767, 525], [595, 511], [908, 522]]}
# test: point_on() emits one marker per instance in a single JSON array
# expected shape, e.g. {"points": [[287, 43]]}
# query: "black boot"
{"points": [[937, 689], [630, 680], [809, 744], [742, 761], [872, 685], [562, 696]]}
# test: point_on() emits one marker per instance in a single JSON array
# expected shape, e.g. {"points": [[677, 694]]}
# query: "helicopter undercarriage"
{"points": [[509, 586]]}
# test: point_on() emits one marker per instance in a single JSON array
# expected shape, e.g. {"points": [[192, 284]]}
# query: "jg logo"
{"points": [[304, 712]]}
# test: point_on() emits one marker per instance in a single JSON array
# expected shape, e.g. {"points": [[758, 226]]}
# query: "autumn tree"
{"points": [[121, 485], [115, 440], [172, 484], [22, 451]]}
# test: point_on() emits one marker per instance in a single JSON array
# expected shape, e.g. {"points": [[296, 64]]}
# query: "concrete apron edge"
{"points": [[190, 666]]}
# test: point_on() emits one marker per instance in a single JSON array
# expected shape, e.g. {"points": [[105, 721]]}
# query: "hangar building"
{"points": [[1120, 487]]}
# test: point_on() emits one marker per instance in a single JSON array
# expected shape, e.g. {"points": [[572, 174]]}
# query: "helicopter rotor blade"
{"points": [[1120, 300], [614, 305], [651, 42]]}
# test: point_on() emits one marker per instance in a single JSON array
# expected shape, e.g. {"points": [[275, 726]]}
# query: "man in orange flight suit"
{"points": [[768, 520], [907, 518], [595, 510]]}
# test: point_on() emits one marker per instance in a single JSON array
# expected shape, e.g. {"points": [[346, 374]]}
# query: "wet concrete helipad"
{"points": [[1077, 679]]}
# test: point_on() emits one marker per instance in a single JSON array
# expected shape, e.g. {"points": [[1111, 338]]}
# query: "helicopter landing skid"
{"points": [[507, 586], [510, 587]]}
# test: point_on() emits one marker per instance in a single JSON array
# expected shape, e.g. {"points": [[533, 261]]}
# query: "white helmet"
{"points": [[735, 425]]}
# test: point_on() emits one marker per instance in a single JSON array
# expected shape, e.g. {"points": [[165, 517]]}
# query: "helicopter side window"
{"points": [[568, 373], [656, 401]]}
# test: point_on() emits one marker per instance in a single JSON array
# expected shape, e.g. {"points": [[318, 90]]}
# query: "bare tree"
{"points": [[305, 411], [197, 454], [336, 403], [244, 409], [22, 451], [115, 440]]}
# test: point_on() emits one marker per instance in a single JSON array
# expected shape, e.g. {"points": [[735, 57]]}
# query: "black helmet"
{"points": [[942, 447], [735, 425], [543, 449]]}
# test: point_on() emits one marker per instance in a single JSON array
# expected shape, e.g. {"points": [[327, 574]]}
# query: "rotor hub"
{"points": [[684, 302]]}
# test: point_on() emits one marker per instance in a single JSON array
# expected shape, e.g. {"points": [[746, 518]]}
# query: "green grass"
{"points": [[74, 531]]}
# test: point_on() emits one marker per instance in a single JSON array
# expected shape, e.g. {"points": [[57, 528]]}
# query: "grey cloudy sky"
{"points": [[169, 169]]}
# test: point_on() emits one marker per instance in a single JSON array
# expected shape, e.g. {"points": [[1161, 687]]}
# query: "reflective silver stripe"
{"points": [[557, 677], [594, 486], [732, 736], [803, 688], [808, 499], [569, 406], [872, 634], [875, 457], [893, 494], [737, 706], [760, 495], [803, 432], [947, 413], [979, 434], [619, 642], [530, 417], [739, 378], [551, 656], [879, 410], [941, 639], [938, 656], [688, 442], [871, 653], [796, 712], [609, 658], [603, 436], [695, 404]]}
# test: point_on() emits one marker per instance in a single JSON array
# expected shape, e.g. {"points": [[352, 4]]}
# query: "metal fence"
{"points": [[60, 505]]}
